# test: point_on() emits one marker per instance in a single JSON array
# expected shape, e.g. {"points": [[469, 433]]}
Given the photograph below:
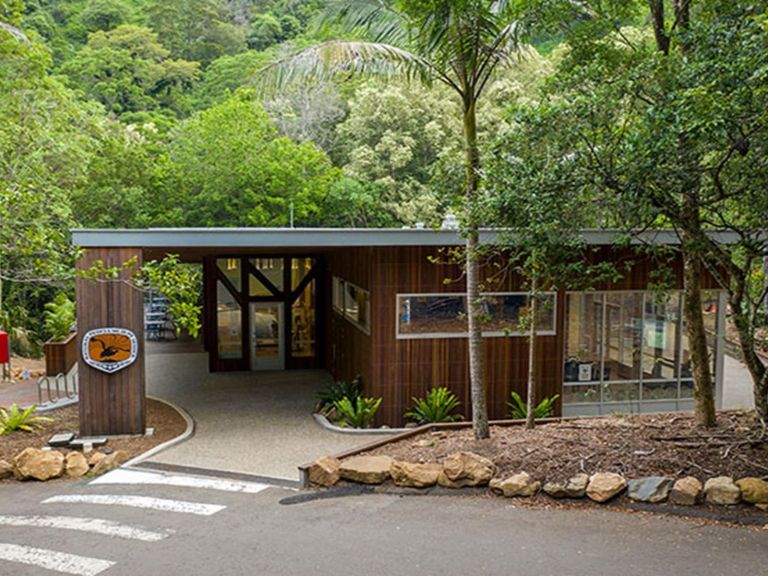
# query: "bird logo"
{"points": [[109, 349]]}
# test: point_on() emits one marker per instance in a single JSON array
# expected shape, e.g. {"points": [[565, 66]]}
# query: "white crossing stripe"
{"points": [[121, 476], [52, 560], [92, 525], [162, 504]]}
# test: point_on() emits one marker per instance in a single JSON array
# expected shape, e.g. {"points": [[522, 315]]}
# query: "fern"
{"points": [[519, 409], [59, 316], [358, 413], [436, 406], [15, 419]]}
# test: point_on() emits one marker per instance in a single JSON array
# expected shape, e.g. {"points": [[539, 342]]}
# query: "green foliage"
{"points": [[519, 409], [182, 284], [357, 413], [337, 391], [59, 317], [127, 69], [436, 406], [15, 419], [106, 14]]}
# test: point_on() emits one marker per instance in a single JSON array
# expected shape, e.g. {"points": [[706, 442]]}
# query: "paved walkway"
{"points": [[250, 422]]}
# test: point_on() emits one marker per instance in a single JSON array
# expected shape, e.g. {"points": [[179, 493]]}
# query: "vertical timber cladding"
{"points": [[111, 403], [406, 368]]}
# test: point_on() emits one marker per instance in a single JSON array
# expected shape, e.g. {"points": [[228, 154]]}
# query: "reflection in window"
{"points": [[583, 339], [272, 269], [623, 332], [229, 323], [353, 303], [230, 267], [445, 315], [303, 324], [661, 337]]}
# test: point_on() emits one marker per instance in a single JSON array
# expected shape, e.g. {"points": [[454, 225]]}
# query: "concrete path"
{"points": [[249, 422], [737, 386]]}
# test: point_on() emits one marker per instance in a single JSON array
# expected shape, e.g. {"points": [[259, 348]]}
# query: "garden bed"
{"points": [[166, 421], [634, 446]]}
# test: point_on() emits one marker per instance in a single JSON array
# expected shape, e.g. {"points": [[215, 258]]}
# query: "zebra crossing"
{"points": [[99, 527]]}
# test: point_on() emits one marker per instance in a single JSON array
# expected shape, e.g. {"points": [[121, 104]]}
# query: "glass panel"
{"points": [[350, 301], [623, 333], [581, 394], [624, 392], [266, 331], [686, 389], [229, 324], [303, 324], [338, 294], [231, 269], [709, 309], [661, 338], [300, 267], [659, 391], [584, 317], [444, 314], [504, 312], [272, 268]]}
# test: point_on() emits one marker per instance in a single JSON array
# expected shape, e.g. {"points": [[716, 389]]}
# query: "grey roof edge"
{"points": [[329, 237]]}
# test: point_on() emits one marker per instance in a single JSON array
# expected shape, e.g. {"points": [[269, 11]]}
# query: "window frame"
{"points": [[339, 287], [486, 333]]}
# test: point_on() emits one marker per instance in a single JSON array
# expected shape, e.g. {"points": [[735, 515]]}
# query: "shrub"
{"points": [[519, 409], [15, 419], [436, 406], [357, 413], [59, 316], [337, 391]]}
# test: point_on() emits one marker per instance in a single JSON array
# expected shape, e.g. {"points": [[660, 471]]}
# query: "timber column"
{"points": [[111, 403]]}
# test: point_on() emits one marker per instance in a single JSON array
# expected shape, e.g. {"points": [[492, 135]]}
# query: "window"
{"points": [[628, 351], [353, 303], [229, 323], [445, 315]]}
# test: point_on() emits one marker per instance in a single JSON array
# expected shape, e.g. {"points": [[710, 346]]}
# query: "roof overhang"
{"points": [[329, 237]]}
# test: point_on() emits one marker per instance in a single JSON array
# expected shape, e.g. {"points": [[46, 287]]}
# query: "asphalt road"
{"points": [[229, 529]]}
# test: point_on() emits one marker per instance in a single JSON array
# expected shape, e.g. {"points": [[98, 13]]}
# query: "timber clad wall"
{"points": [[111, 403]]}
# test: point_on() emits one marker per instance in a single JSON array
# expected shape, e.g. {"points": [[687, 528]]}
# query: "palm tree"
{"points": [[459, 43], [13, 31]]}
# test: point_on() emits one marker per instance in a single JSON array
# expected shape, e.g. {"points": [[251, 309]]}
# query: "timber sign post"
{"points": [[110, 349]]}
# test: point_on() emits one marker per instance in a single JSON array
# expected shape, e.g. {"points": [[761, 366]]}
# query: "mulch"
{"points": [[166, 421], [634, 446]]}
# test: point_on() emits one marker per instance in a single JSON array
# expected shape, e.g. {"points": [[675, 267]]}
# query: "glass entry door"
{"points": [[267, 351]]}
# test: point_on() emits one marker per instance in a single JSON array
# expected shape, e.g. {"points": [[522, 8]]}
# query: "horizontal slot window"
{"points": [[445, 315]]}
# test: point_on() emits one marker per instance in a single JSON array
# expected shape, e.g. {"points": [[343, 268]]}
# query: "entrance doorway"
{"points": [[267, 350], [265, 311]]}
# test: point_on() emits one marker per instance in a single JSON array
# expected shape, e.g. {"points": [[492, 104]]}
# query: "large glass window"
{"points": [[445, 315], [303, 336], [270, 269], [628, 351], [231, 268], [229, 323]]}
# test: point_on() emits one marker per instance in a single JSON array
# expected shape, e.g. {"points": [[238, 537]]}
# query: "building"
{"points": [[381, 304]]}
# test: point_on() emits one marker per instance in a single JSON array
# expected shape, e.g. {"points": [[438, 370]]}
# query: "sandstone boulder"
{"points": [[110, 462], [649, 489], [75, 465], [95, 457], [605, 485], [576, 487], [686, 491], [325, 471], [555, 489], [722, 491], [6, 469], [366, 469], [462, 469], [519, 485], [753, 490], [33, 463], [414, 475]]}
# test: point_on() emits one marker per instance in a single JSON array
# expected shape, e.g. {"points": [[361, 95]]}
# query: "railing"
{"points": [[51, 389]]}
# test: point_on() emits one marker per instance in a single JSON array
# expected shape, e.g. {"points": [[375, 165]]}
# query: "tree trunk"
{"points": [[530, 420], [474, 307], [704, 401]]}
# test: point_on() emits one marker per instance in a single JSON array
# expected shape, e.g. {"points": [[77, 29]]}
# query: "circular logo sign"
{"points": [[110, 349]]}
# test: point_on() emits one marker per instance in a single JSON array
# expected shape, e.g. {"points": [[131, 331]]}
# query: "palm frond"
{"points": [[343, 58], [374, 20], [15, 32]]}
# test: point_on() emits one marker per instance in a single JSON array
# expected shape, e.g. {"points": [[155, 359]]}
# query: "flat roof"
{"points": [[324, 237]]}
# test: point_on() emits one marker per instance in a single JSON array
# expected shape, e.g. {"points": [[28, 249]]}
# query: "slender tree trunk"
{"points": [[530, 420], [474, 308], [704, 400]]}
